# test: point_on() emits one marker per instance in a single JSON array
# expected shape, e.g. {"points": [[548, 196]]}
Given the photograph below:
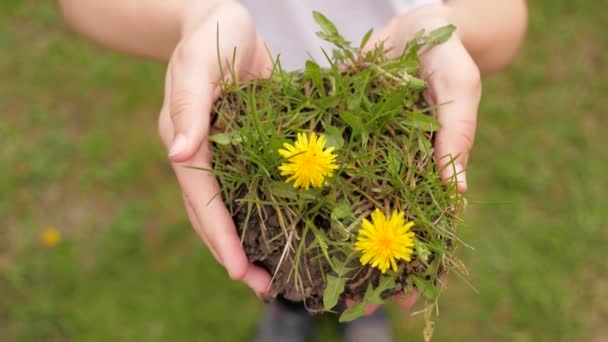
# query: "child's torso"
{"points": [[289, 29]]}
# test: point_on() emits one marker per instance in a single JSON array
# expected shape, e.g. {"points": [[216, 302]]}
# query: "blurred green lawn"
{"points": [[80, 153]]}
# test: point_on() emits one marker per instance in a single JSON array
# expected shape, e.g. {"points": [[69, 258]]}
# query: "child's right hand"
{"points": [[190, 91]]}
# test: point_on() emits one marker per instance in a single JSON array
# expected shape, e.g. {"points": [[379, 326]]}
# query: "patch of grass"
{"points": [[363, 147], [79, 152]]}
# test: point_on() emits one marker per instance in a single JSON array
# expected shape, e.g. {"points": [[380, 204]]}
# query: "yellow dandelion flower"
{"points": [[385, 240], [308, 161], [51, 236]]}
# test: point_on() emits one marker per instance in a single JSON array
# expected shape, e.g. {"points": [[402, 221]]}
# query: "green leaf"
{"points": [[349, 54], [353, 121], [421, 121], [226, 138], [333, 290], [385, 110], [283, 190], [425, 287], [432, 268], [311, 194], [412, 82], [340, 267], [418, 36], [353, 102], [220, 138], [394, 163], [329, 101], [372, 296], [339, 232], [330, 33], [440, 35], [424, 145], [326, 24], [341, 211], [275, 143], [313, 70], [360, 85], [334, 137], [422, 251], [366, 38], [355, 311]]}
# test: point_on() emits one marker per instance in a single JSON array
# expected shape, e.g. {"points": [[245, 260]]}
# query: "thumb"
{"points": [[191, 96]]}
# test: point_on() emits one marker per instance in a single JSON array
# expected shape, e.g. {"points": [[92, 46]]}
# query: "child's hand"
{"points": [[454, 84], [190, 91]]}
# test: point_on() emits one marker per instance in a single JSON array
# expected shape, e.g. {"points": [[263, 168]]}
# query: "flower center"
{"points": [[309, 161], [384, 242]]}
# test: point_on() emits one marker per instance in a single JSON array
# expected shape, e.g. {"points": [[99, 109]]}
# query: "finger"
{"points": [[455, 88], [258, 280], [454, 140], [456, 92], [202, 191], [190, 99], [407, 302], [165, 131], [194, 86], [197, 228], [260, 65], [370, 309], [255, 277]]}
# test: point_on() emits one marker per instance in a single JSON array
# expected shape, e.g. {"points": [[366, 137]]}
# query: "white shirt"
{"points": [[289, 29]]}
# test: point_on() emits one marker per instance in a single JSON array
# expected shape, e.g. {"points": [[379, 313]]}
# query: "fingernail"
{"points": [[461, 178], [179, 144]]}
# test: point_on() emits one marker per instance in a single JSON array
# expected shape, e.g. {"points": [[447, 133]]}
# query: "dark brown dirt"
{"points": [[265, 244]]}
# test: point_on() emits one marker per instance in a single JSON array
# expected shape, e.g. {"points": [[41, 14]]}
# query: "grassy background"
{"points": [[79, 152]]}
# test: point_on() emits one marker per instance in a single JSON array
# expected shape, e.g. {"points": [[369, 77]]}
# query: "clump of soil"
{"points": [[267, 244], [268, 254], [371, 111]]}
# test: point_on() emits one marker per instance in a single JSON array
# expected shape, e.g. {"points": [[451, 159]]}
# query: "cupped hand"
{"points": [[454, 85], [191, 88]]}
